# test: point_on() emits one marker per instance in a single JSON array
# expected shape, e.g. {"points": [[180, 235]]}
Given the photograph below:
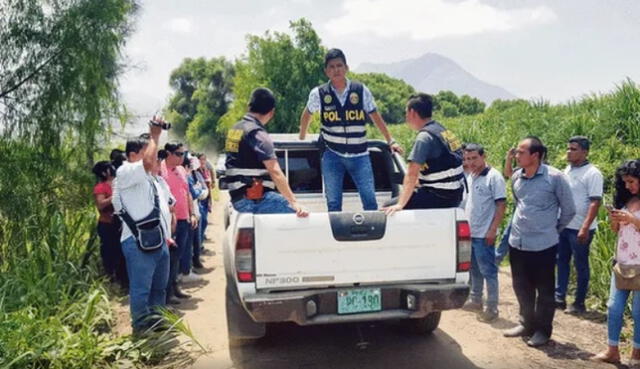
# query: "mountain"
{"points": [[432, 73]]}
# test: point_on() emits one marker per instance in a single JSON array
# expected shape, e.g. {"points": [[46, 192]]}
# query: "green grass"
{"points": [[55, 309]]}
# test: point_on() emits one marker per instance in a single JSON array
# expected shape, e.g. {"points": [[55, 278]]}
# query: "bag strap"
{"points": [[126, 217]]}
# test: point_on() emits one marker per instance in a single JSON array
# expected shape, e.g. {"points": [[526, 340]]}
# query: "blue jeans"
{"points": [[567, 247], [359, 168], [271, 203], [186, 255], [503, 247], [204, 220], [182, 238], [148, 276], [616, 306], [484, 267]]}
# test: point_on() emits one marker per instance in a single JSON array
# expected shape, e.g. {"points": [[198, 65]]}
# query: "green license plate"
{"points": [[359, 301]]}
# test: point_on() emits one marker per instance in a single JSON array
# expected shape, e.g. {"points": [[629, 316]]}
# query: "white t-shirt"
{"points": [[132, 189], [586, 184]]}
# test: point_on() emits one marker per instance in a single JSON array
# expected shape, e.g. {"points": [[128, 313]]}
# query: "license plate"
{"points": [[359, 301]]}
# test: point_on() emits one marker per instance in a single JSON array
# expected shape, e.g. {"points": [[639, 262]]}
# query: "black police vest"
{"points": [[242, 163], [443, 175], [343, 127]]}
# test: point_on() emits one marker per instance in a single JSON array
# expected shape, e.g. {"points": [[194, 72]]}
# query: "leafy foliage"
{"points": [[290, 67], [202, 94], [451, 105], [390, 94]]}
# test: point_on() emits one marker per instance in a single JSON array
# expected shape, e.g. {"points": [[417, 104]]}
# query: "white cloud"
{"points": [[430, 19], [180, 25]]}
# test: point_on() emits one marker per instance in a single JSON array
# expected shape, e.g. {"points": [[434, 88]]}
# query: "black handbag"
{"points": [[148, 230]]}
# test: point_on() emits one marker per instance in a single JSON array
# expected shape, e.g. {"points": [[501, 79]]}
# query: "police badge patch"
{"points": [[327, 99], [354, 98]]}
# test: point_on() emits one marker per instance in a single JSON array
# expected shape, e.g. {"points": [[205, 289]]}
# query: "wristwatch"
{"points": [[392, 142]]}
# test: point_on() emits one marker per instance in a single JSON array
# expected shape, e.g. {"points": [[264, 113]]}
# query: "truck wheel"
{"points": [[241, 328], [424, 325]]}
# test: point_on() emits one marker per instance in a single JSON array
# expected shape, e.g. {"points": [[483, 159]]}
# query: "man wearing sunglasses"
{"points": [[176, 177]]}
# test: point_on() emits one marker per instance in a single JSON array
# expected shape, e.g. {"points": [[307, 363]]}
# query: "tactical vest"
{"points": [[443, 175], [343, 127], [242, 163]]}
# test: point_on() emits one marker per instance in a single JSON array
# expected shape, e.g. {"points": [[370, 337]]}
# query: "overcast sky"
{"points": [[552, 49]]}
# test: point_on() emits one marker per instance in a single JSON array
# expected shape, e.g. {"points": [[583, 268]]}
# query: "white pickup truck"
{"points": [[344, 266]]}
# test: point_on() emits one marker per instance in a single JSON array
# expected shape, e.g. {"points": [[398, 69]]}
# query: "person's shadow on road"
{"points": [[362, 345]]}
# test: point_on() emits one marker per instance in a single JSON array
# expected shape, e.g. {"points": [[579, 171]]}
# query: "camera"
{"points": [[163, 125]]}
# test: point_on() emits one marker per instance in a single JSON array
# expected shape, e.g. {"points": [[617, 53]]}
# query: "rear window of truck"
{"points": [[302, 168]]}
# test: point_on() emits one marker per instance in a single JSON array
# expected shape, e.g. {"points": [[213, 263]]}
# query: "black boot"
{"points": [[179, 293]]}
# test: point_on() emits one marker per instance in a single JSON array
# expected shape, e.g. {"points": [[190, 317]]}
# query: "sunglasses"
{"points": [[178, 153]]}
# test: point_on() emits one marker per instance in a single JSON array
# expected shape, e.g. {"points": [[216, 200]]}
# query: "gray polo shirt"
{"points": [[535, 225], [586, 185], [486, 188]]}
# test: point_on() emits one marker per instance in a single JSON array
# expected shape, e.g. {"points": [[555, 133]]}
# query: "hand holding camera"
{"points": [[159, 122]]}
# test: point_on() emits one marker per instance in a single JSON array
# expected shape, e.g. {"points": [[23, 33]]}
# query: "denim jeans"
{"points": [[615, 314], [483, 267], [182, 238], [204, 221], [567, 247], [186, 255], [503, 247], [271, 203], [148, 276], [359, 168]]}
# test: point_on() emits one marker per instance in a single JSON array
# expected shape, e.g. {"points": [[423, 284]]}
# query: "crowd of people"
{"points": [[553, 221], [153, 207]]}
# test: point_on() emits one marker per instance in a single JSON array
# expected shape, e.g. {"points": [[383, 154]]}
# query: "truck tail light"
{"points": [[244, 255], [463, 238]]}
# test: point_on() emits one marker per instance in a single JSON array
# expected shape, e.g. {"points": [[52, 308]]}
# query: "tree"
{"points": [[202, 94], [464, 105], [470, 105], [58, 66], [290, 67], [390, 94]]}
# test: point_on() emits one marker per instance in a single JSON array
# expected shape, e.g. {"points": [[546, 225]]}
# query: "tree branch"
{"points": [[30, 76]]}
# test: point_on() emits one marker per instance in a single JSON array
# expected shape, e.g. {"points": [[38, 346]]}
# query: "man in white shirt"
{"points": [[586, 186], [148, 270]]}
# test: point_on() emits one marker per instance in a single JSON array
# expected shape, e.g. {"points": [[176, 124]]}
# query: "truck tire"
{"points": [[242, 329], [425, 325]]}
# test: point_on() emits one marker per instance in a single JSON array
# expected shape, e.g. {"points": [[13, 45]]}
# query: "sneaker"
{"points": [[576, 309], [488, 316], [190, 278], [517, 331], [473, 306], [561, 305]]}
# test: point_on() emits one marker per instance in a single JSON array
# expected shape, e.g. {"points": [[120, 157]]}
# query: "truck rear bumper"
{"points": [[295, 306]]}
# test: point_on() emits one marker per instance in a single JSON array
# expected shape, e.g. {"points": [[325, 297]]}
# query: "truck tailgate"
{"points": [[358, 248]]}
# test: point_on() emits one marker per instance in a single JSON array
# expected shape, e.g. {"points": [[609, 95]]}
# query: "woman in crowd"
{"points": [[109, 227], [625, 221]]}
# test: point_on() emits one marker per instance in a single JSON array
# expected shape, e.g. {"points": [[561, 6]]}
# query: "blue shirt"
{"points": [[544, 207]]}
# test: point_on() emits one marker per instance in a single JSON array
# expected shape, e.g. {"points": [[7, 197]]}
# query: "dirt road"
{"points": [[460, 342]]}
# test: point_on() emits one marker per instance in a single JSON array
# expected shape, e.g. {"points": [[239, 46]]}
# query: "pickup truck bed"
{"points": [[343, 266]]}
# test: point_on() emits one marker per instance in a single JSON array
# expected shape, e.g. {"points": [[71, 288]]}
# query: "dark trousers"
{"points": [[181, 238], [533, 274], [111, 253]]}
